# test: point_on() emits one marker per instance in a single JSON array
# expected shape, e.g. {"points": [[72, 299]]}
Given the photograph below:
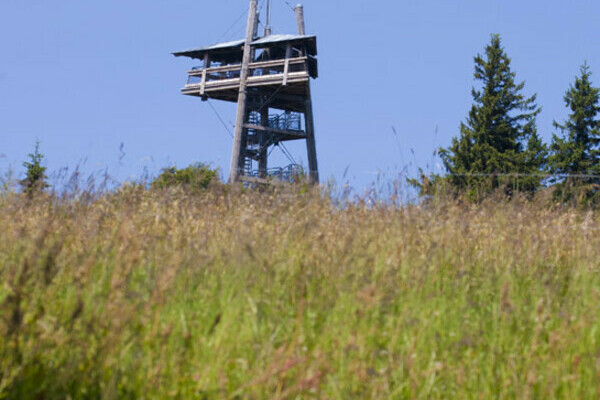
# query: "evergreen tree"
{"points": [[576, 151], [35, 179], [499, 136]]}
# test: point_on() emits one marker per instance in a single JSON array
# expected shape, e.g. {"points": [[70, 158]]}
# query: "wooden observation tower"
{"points": [[269, 79]]}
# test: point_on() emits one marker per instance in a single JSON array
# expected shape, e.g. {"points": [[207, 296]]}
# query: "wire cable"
{"points": [[289, 5], [234, 24], [287, 153], [262, 4], [269, 99], [220, 118]]}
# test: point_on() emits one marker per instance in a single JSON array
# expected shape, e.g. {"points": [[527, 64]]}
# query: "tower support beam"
{"points": [[236, 166], [262, 157], [311, 143], [309, 119]]}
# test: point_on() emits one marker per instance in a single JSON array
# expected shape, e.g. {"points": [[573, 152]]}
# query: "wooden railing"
{"points": [[258, 70]]}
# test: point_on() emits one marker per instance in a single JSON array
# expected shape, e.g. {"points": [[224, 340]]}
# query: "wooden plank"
{"points": [[231, 84], [256, 65], [275, 63], [223, 68], [215, 85], [226, 83], [293, 77]]}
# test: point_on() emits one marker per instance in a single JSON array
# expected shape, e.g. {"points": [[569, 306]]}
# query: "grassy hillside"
{"points": [[167, 295]]}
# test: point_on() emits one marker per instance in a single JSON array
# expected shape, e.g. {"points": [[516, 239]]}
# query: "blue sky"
{"points": [[84, 77]]}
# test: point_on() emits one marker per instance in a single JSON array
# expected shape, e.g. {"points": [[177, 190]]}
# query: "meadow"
{"points": [[287, 294]]}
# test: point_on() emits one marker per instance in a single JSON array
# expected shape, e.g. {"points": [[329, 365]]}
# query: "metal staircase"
{"points": [[261, 137]]}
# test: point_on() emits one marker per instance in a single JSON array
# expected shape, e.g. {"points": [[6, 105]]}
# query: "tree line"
{"points": [[499, 148]]}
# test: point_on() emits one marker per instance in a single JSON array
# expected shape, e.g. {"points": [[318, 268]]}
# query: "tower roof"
{"points": [[237, 46]]}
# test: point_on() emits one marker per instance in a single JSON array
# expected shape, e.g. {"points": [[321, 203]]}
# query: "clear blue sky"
{"points": [[86, 76]]}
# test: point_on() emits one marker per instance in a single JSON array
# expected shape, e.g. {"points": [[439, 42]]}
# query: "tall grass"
{"points": [[233, 294]]}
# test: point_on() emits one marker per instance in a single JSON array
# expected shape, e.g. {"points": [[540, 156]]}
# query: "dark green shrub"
{"points": [[197, 176]]}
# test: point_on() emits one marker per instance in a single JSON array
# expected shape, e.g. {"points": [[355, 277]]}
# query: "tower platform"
{"points": [[219, 75]]}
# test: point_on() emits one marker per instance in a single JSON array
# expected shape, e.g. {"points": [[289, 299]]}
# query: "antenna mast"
{"points": [[268, 29]]}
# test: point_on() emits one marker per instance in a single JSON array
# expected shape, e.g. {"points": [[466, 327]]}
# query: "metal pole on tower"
{"points": [[268, 30]]}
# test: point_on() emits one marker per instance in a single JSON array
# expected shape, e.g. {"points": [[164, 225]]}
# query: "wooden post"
{"points": [[244, 145], [311, 143], [206, 66], [264, 136], [309, 119], [238, 139], [286, 67]]}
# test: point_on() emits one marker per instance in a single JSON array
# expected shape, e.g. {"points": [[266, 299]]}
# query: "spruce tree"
{"points": [[498, 143], [35, 179], [576, 151]]}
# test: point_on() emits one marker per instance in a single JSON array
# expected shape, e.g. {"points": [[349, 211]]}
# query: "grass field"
{"points": [[244, 295]]}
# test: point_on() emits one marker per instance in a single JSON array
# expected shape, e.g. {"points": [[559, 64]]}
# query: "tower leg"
{"points": [[262, 161], [311, 145], [243, 146], [240, 138]]}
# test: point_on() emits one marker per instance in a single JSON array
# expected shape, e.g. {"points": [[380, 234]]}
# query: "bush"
{"points": [[196, 177]]}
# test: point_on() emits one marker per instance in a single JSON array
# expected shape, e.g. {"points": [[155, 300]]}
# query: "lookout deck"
{"points": [[279, 62], [223, 82]]}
